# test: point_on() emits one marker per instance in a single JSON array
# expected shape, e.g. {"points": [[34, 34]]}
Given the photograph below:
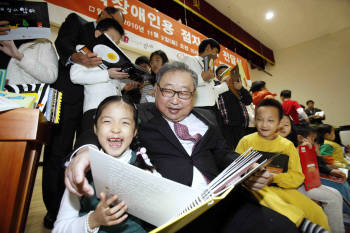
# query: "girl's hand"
{"points": [[104, 215], [116, 74]]}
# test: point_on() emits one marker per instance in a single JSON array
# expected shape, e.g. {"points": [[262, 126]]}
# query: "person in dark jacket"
{"points": [[233, 112]]}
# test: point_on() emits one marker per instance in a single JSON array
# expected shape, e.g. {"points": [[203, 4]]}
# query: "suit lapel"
{"points": [[163, 127]]}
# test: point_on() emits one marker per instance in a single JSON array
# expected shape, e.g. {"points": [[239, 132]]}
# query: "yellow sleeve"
{"points": [[241, 147], [294, 177]]}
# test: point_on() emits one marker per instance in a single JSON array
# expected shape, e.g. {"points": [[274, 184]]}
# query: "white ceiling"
{"points": [[295, 21]]}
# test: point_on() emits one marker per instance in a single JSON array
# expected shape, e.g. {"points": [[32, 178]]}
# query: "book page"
{"points": [[149, 197]]}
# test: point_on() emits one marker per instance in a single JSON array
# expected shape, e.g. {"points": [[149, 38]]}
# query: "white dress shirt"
{"points": [[194, 126], [207, 92]]}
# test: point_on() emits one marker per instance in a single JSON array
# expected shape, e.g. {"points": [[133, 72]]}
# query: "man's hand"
{"points": [[88, 60], [9, 48], [337, 173], [4, 30], [104, 215], [259, 180], [116, 74], [75, 179], [206, 76], [131, 85]]}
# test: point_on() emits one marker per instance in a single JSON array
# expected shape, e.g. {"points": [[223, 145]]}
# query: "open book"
{"points": [[113, 57], [162, 202]]}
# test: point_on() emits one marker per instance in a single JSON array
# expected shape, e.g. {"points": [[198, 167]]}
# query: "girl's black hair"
{"points": [[164, 60], [135, 144], [115, 98], [292, 136]]}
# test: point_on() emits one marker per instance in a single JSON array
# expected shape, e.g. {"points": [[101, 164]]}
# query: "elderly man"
{"points": [[185, 145]]}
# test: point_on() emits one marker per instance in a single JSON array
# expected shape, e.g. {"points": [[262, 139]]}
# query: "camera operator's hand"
{"points": [[4, 29]]}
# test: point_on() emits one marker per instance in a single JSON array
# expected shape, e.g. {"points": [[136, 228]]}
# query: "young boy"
{"points": [[98, 83], [292, 107], [282, 194], [331, 199]]}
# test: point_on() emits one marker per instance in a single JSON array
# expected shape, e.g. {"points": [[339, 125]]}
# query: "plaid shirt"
{"points": [[223, 111]]}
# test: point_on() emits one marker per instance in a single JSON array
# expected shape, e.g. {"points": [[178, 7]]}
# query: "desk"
{"points": [[22, 134]]}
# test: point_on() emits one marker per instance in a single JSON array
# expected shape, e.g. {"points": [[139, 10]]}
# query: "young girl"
{"points": [[157, 60], [282, 194], [330, 199], [115, 127], [332, 152]]}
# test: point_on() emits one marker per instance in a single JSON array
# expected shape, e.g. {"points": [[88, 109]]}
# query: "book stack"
{"points": [[47, 100]]}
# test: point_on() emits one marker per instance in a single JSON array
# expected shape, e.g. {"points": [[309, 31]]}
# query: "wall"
{"points": [[317, 70]]}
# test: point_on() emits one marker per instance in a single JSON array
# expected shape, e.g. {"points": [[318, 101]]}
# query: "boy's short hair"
{"points": [[323, 129], [257, 86], [286, 93], [220, 67], [108, 23], [309, 101], [142, 60], [271, 103], [209, 41]]}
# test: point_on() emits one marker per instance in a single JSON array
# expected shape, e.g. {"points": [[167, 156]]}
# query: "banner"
{"points": [[149, 30]]}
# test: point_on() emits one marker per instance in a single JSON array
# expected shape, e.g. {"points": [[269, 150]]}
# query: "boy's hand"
{"points": [[104, 215], [88, 60], [259, 180], [4, 30], [116, 74]]}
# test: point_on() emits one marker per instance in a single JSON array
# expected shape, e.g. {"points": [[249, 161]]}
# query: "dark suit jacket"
{"points": [[74, 31], [211, 155]]}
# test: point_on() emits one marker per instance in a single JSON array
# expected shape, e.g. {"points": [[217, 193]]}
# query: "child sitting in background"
{"points": [[331, 200], [292, 107], [332, 152], [260, 92], [115, 127], [282, 194]]}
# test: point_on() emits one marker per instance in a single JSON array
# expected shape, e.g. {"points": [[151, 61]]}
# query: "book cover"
{"points": [[2, 79], [113, 57], [28, 20], [166, 204], [309, 166], [278, 164]]}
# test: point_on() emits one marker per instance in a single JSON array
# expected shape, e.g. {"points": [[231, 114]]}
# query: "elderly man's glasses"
{"points": [[169, 93]]}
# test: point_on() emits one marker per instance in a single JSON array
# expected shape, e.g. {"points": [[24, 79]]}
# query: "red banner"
{"points": [[149, 23]]}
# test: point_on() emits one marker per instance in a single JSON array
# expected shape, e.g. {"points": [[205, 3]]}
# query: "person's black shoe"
{"points": [[48, 221]]}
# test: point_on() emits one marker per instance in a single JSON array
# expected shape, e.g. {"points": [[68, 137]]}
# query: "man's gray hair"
{"points": [[177, 66]]}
